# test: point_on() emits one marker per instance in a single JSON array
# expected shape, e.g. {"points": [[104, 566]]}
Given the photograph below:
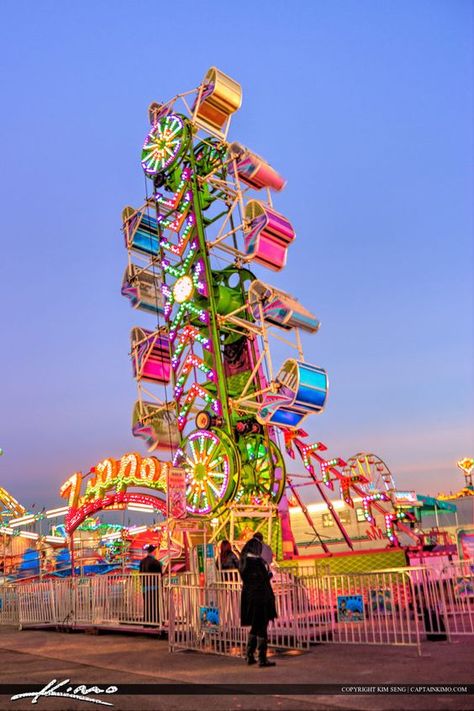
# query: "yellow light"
{"points": [[466, 465], [183, 289]]}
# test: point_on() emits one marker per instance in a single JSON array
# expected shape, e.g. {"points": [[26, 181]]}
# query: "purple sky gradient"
{"points": [[365, 107]]}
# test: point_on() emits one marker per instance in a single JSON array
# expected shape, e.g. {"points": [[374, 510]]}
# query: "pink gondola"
{"points": [[254, 171], [267, 235], [151, 355]]}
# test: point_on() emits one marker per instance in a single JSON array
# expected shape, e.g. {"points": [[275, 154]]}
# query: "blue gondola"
{"points": [[302, 391]]}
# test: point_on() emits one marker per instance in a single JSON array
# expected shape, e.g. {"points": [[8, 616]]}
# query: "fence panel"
{"points": [[457, 590], [207, 619], [429, 604], [127, 599], [9, 613], [396, 607], [365, 608], [36, 603]]}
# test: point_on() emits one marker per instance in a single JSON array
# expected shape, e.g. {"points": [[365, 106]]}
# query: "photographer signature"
{"points": [[80, 693]]}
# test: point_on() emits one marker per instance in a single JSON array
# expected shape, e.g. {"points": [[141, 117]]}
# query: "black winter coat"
{"points": [[257, 603], [149, 564]]}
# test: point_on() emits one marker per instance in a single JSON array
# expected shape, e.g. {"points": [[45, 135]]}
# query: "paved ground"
{"points": [[37, 657]]}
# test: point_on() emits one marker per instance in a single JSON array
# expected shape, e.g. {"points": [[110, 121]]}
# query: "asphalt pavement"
{"points": [[107, 660]]}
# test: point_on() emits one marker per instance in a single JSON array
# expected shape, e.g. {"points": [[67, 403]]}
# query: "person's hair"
{"points": [[259, 536], [226, 548]]}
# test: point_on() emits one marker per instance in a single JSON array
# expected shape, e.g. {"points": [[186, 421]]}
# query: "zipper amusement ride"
{"points": [[209, 395]]}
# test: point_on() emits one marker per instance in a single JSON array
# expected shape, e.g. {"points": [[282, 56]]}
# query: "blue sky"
{"points": [[365, 107]]}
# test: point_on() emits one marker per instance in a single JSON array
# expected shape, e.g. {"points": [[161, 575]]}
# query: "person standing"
{"points": [[149, 566], [267, 553], [257, 604], [227, 559]]}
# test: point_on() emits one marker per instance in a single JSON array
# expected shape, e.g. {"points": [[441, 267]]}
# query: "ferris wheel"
{"points": [[370, 473]]}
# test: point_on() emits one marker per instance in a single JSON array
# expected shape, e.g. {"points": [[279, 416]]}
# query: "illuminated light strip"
{"points": [[188, 232], [306, 450], [345, 485], [191, 361], [29, 534], [52, 513], [321, 507], [184, 309], [55, 539], [197, 391], [171, 203], [134, 530], [15, 524], [183, 268], [7, 530], [187, 337], [367, 501], [324, 466], [390, 519], [176, 223], [181, 271], [22, 521], [199, 272]]}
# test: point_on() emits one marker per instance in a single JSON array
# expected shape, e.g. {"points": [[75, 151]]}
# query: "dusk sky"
{"points": [[365, 106]]}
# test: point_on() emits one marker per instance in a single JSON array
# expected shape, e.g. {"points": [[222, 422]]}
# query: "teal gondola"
{"points": [[302, 391]]}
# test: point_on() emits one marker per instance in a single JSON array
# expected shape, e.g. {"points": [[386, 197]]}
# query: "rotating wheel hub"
{"points": [[263, 474], [211, 463]]}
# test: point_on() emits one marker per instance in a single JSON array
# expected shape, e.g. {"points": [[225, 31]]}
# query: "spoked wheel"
{"points": [[211, 462], [209, 154], [370, 472], [164, 145], [263, 474]]}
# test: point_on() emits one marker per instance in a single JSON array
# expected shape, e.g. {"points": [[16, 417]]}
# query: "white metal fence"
{"points": [[121, 600], [368, 608], [207, 619], [397, 607], [457, 588], [8, 605]]}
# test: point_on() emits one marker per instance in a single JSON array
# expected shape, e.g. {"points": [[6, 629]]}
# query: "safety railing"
{"points": [[394, 607], [457, 589], [206, 619], [122, 600], [344, 609], [9, 614], [366, 608]]}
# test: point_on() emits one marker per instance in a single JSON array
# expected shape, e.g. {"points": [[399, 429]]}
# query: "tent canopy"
{"points": [[430, 504]]}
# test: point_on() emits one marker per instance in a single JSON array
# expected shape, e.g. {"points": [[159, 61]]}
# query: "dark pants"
{"points": [[259, 629], [150, 605]]}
